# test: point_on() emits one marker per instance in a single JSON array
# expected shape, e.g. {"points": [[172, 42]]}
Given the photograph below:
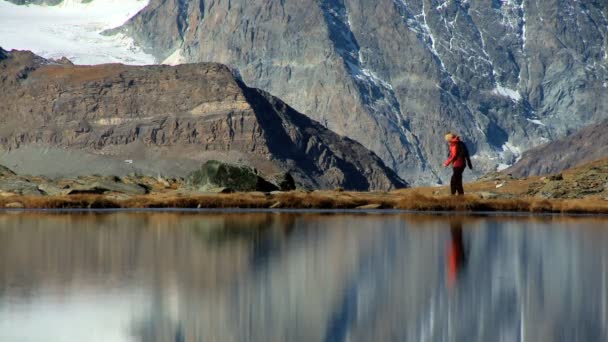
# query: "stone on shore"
{"points": [[216, 174]]}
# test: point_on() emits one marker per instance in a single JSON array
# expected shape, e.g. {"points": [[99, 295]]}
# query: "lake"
{"points": [[279, 276]]}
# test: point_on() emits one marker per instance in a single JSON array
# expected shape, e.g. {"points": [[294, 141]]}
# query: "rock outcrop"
{"points": [[583, 181], [217, 175], [395, 75], [586, 145], [167, 119]]}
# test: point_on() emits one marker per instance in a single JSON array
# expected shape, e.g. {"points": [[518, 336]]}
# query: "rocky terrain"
{"points": [[583, 189], [57, 119], [586, 145], [395, 75]]}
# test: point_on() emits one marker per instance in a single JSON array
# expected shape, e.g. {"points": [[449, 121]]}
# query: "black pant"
{"points": [[456, 181]]}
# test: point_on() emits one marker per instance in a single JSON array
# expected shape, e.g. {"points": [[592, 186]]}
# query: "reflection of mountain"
{"points": [[281, 277]]}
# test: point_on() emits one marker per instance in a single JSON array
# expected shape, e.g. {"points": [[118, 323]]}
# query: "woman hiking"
{"points": [[459, 158]]}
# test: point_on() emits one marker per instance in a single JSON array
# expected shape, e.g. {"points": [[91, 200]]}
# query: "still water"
{"points": [[172, 276]]}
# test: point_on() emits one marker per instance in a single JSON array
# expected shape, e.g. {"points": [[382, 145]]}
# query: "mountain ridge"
{"points": [[507, 75], [163, 114], [583, 146]]}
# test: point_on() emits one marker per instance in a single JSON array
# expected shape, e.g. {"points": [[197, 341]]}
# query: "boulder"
{"points": [[103, 186], [285, 181], [5, 171], [217, 174], [265, 186], [19, 186], [51, 189], [493, 195], [557, 177], [219, 190]]}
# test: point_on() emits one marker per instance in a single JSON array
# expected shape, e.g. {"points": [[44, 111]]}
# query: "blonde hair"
{"points": [[449, 136]]}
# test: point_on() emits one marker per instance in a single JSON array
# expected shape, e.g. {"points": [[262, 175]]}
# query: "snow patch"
{"points": [[367, 75], [502, 166], [73, 29], [511, 148], [507, 92], [537, 122], [176, 58]]}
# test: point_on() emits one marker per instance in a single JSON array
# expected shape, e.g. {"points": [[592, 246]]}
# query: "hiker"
{"points": [[459, 158]]}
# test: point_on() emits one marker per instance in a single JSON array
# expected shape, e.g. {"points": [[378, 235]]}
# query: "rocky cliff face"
{"points": [[163, 115], [395, 75], [586, 145]]}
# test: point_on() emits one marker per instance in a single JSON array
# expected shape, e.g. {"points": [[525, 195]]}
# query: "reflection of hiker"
{"points": [[459, 158], [456, 253]]}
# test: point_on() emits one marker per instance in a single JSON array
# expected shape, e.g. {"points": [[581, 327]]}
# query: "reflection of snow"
{"points": [[72, 316], [72, 29]]}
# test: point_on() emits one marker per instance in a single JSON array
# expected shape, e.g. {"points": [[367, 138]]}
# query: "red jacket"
{"points": [[455, 159]]}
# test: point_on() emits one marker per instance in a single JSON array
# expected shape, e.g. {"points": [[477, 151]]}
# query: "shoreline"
{"points": [[409, 200]]}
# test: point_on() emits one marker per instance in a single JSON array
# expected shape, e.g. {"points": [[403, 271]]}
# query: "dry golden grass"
{"points": [[81, 73], [406, 200]]}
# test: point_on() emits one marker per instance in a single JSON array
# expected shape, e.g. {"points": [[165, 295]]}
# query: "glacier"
{"points": [[73, 29]]}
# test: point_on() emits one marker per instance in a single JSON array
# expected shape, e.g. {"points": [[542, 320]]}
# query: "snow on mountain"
{"points": [[72, 29]]}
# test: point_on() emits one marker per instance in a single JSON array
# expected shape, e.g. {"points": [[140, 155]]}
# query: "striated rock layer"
{"points": [[167, 120], [586, 145], [395, 75]]}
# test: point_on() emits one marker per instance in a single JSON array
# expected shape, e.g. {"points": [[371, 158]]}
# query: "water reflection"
{"points": [[308, 277], [456, 253]]}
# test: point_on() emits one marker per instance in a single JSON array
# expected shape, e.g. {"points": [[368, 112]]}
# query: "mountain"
{"points": [[60, 119], [586, 145], [396, 75]]}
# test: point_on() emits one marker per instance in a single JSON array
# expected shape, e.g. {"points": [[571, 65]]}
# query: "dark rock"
{"points": [[5, 171], [216, 174], [557, 177], [285, 181], [265, 186], [219, 190]]}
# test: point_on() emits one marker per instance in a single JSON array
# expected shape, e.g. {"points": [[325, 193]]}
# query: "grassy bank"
{"points": [[411, 199]]}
